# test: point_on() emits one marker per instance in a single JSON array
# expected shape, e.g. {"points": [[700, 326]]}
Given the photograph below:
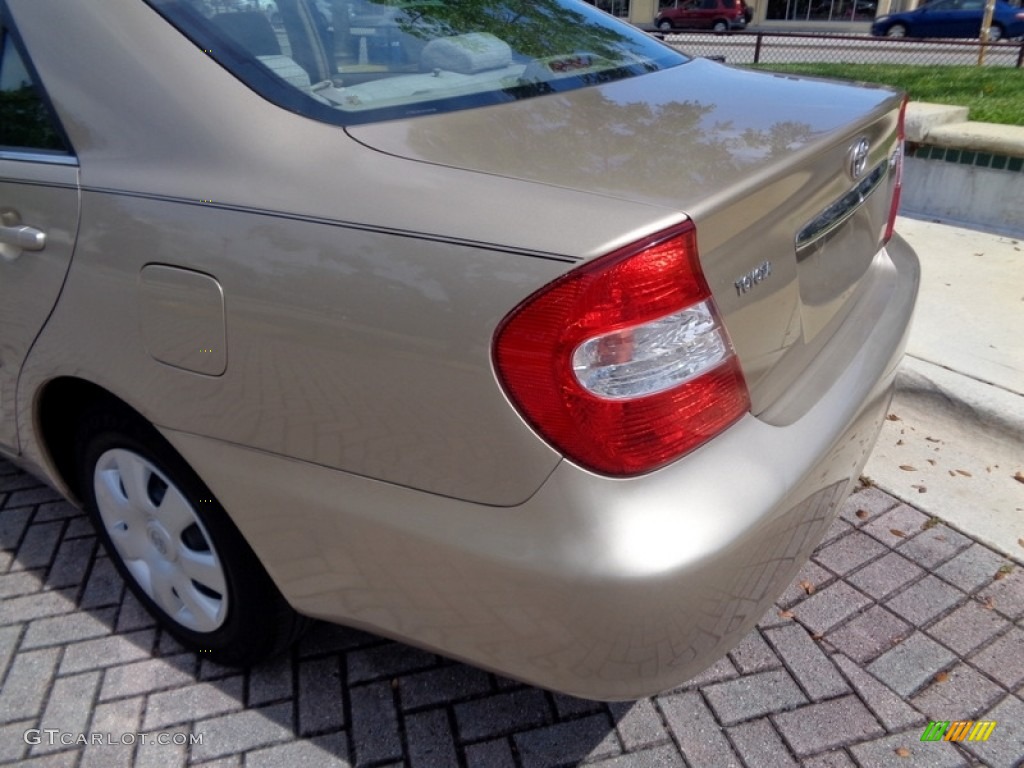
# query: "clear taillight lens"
{"points": [[650, 358], [623, 364]]}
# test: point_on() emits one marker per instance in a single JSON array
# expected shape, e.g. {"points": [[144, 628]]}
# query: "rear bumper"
{"points": [[602, 588]]}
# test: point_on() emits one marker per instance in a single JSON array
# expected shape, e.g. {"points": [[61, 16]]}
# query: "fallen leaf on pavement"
{"points": [[902, 751], [1021, 542], [933, 440], [1019, 477], [920, 488], [908, 468], [897, 532], [964, 472], [786, 614], [941, 677], [988, 603], [807, 587], [931, 461], [899, 442], [892, 417]]}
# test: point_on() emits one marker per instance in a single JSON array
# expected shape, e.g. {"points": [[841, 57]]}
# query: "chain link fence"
{"points": [[793, 48]]}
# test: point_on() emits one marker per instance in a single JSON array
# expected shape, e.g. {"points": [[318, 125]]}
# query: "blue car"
{"points": [[952, 18]]}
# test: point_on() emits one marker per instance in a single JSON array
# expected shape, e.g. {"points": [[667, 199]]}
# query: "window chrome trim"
{"points": [[835, 215], [28, 156]]}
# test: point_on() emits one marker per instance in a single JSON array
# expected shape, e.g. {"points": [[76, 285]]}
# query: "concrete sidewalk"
{"points": [[954, 444]]}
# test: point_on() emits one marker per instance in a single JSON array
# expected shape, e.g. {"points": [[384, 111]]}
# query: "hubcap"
{"points": [[161, 540]]}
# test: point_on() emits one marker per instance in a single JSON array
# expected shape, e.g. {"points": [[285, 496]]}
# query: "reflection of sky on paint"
{"points": [[675, 135], [821, 104]]}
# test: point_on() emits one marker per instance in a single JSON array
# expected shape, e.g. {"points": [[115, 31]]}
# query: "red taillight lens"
{"points": [[896, 167], [623, 364]]}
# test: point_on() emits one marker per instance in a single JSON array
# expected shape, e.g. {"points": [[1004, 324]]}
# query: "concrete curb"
{"points": [[953, 447], [964, 399], [948, 126], [963, 172], [922, 117]]}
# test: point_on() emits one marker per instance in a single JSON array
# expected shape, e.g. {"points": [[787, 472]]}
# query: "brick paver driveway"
{"points": [[898, 620]]}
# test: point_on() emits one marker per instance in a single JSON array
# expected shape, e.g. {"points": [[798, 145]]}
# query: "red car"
{"points": [[720, 16]]}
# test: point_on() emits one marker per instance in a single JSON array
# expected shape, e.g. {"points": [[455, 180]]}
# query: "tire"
{"points": [[720, 27], [665, 25], [995, 33], [896, 30], [175, 546]]}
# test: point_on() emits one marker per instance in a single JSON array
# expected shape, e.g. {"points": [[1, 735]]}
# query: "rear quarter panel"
{"points": [[361, 290]]}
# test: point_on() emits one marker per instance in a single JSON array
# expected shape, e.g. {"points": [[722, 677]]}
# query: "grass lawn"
{"points": [[993, 94]]}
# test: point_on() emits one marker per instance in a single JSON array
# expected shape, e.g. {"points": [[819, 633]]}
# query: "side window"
{"points": [[25, 119]]}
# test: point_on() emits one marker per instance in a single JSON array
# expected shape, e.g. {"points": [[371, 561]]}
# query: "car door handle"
{"points": [[23, 238]]}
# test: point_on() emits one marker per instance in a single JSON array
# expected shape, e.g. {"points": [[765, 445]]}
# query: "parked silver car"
{"points": [[499, 328]]}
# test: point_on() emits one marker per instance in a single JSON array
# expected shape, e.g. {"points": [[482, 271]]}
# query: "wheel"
{"points": [[665, 25], [176, 547], [995, 33], [896, 30], [720, 27]]}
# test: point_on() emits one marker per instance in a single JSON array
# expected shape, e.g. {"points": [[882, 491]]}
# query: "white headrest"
{"points": [[466, 54]]}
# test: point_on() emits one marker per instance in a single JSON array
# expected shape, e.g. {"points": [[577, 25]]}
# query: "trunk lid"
{"points": [[787, 180]]}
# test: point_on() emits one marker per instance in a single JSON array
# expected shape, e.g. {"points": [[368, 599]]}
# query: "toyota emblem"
{"points": [[858, 158]]}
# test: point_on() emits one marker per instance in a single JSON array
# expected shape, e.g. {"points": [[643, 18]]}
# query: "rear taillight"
{"points": [[896, 168], [623, 364]]}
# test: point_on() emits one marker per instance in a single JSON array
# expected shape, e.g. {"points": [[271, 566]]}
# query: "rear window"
{"points": [[352, 61]]}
